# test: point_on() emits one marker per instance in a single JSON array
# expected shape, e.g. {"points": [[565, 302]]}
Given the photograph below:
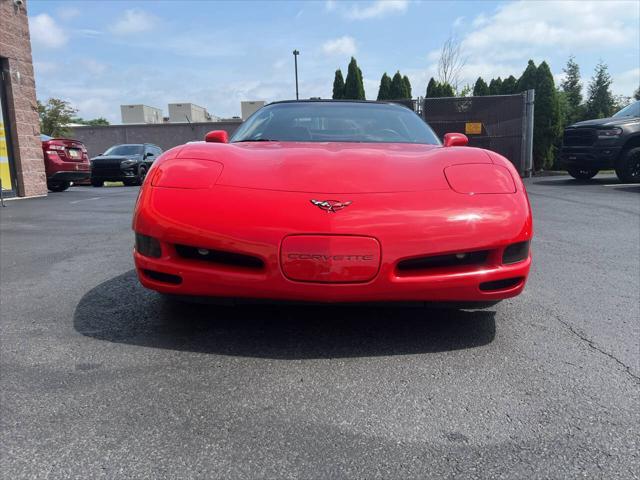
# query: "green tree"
{"points": [[466, 91], [600, 101], [447, 90], [431, 88], [397, 87], [407, 87], [572, 89], [353, 86], [55, 115], [338, 86], [481, 88], [94, 122], [509, 85], [546, 121], [385, 87], [528, 79], [495, 86]]}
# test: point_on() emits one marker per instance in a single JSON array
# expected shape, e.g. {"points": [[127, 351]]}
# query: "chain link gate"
{"points": [[501, 123]]}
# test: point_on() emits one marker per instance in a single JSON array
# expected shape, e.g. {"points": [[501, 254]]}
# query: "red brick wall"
{"points": [[15, 46]]}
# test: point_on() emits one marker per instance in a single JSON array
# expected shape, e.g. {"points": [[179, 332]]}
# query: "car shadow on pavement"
{"points": [[120, 310], [563, 182]]}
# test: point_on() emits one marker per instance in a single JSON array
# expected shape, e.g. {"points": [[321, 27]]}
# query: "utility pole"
{"points": [[295, 60]]}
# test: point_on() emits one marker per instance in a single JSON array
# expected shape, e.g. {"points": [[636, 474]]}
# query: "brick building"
{"points": [[21, 162]]}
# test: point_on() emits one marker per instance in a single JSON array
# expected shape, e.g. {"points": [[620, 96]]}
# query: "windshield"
{"points": [[335, 122], [632, 110], [125, 150]]}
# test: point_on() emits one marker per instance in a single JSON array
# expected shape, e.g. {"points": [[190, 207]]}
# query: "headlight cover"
{"points": [[610, 133], [479, 178], [187, 173]]}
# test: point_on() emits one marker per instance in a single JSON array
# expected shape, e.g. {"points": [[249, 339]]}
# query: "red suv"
{"points": [[65, 161]]}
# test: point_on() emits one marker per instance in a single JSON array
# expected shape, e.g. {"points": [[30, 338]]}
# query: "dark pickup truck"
{"points": [[128, 163], [594, 145]]}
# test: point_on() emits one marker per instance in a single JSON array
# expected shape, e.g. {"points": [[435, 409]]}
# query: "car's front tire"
{"points": [[97, 183], [582, 173], [58, 186], [628, 167], [142, 173]]}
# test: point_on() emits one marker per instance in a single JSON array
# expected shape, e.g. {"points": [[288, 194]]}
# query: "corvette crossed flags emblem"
{"points": [[331, 206]]}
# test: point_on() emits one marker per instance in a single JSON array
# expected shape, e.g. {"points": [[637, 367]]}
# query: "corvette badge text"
{"points": [[327, 258]]}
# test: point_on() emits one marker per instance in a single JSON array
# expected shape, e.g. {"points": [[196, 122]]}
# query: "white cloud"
{"points": [[93, 66], [377, 9], [340, 46], [45, 32], [524, 28], [133, 21], [68, 13], [625, 83]]}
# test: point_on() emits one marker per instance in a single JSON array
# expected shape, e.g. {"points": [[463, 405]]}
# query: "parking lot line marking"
{"points": [[621, 184], [85, 200]]}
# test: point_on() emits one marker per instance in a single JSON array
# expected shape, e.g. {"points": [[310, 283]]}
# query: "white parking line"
{"points": [[85, 200], [622, 185]]}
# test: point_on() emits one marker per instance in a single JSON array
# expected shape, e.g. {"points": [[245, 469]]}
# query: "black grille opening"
{"points": [[220, 257], [579, 137], [516, 252], [163, 277], [443, 261], [500, 284]]}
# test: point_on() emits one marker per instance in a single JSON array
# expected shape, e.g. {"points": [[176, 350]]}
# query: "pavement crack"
{"points": [[595, 347]]}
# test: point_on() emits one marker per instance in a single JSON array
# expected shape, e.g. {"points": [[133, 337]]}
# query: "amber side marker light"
{"points": [[516, 252], [148, 246]]}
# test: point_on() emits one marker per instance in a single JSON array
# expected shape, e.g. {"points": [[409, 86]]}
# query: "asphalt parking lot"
{"points": [[102, 379]]}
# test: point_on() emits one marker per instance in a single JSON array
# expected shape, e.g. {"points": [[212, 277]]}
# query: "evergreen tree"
{"points": [[546, 122], [529, 78], [353, 86], [481, 88], [397, 87], [600, 101], [572, 89], [495, 86], [509, 85], [385, 87], [338, 85], [407, 87], [447, 90], [431, 88]]}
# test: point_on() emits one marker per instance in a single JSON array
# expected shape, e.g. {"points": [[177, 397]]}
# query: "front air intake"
{"points": [[220, 257], [420, 264]]}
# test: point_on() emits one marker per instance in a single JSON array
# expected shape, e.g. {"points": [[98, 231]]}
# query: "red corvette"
{"points": [[334, 201]]}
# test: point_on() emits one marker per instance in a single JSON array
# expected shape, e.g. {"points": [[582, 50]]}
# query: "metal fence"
{"points": [[502, 123]]}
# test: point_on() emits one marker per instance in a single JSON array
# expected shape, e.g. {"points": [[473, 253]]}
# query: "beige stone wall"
{"points": [[15, 46]]}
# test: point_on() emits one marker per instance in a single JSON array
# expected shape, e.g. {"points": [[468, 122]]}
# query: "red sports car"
{"points": [[334, 201]]}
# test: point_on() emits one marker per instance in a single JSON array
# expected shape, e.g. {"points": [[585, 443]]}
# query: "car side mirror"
{"points": [[148, 154], [217, 136], [455, 140]]}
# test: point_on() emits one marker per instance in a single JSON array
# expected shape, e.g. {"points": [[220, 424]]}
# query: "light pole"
{"points": [[295, 60]]}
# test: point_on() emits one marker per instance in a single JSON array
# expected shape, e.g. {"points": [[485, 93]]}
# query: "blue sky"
{"points": [[100, 54]]}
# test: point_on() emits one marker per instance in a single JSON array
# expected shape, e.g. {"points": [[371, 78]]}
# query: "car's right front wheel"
{"points": [[582, 173], [628, 167]]}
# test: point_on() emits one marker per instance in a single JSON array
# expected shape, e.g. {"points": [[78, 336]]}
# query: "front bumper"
{"points": [[256, 223], [69, 176], [594, 157]]}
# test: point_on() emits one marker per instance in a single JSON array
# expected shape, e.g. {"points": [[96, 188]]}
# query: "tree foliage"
{"points": [[528, 79], [384, 91], [600, 101], [571, 86], [495, 86], [354, 86], [480, 89], [55, 115], [397, 87], [436, 89], [509, 85], [94, 122], [338, 85], [407, 87], [546, 121]]}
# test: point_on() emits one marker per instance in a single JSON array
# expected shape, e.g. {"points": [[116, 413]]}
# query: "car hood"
{"points": [[605, 122], [334, 167]]}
